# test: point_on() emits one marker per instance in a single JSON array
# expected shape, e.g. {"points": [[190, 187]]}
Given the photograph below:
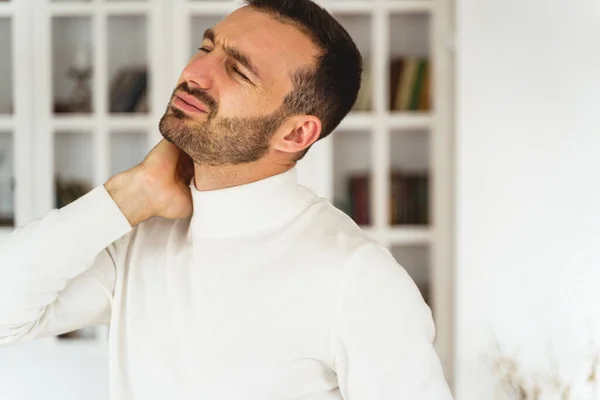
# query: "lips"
{"points": [[190, 103]]}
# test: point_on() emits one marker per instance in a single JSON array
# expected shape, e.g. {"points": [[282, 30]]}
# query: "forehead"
{"points": [[276, 48]]}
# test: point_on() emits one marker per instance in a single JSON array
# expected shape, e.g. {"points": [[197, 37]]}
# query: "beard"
{"points": [[218, 141]]}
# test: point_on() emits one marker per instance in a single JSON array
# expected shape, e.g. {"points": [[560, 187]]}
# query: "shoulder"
{"points": [[327, 231]]}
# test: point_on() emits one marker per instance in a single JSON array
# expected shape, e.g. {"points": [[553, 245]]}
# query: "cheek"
{"points": [[241, 102]]}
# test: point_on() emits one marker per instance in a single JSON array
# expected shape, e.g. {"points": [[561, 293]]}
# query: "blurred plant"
{"points": [[515, 383]]}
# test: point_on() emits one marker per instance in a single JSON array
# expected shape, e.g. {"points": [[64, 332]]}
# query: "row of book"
{"points": [[410, 85], [409, 198]]}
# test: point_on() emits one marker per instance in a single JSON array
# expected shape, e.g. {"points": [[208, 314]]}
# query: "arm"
{"points": [[57, 273], [383, 337]]}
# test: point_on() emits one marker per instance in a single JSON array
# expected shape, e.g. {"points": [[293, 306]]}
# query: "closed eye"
{"points": [[237, 71]]}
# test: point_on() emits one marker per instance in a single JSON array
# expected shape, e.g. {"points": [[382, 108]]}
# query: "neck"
{"points": [[247, 208], [209, 178]]}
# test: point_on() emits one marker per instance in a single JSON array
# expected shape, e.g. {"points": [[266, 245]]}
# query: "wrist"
{"points": [[128, 191]]}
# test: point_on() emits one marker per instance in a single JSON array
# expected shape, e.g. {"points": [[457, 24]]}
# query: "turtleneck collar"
{"points": [[248, 208]]}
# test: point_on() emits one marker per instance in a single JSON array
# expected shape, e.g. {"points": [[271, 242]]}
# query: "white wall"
{"points": [[528, 194]]}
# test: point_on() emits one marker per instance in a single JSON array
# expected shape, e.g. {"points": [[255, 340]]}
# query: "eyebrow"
{"points": [[234, 53]]}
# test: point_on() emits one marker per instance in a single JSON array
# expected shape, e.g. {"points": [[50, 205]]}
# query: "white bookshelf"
{"points": [[162, 34], [15, 115]]}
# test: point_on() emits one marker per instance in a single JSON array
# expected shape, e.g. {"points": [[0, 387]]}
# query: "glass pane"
{"points": [[410, 65], [352, 174], [7, 181], [6, 92], [409, 186], [359, 27], [128, 64], [73, 166], [198, 26], [127, 149], [74, 178], [416, 261], [71, 1], [72, 64]]}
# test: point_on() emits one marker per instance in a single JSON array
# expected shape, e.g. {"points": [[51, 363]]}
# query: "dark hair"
{"points": [[330, 90]]}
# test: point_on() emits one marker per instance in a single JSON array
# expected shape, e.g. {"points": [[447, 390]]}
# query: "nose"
{"points": [[199, 73]]}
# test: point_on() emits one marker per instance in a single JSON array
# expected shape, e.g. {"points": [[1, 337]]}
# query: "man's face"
{"points": [[228, 101]]}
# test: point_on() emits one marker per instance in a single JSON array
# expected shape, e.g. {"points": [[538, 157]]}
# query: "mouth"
{"points": [[190, 104]]}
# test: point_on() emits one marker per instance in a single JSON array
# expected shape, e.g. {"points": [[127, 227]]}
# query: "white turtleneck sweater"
{"points": [[267, 292]]}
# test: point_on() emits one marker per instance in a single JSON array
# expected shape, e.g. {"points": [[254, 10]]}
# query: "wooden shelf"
{"points": [[408, 120], [353, 122], [348, 6], [6, 123], [114, 122], [366, 7], [88, 9], [357, 122], [212, 8], [401, 235], [7, 9], [409, 6], [400, 121], [409, 235]]}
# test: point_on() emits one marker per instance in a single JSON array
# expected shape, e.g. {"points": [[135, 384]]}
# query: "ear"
{"points": [[298, 133]]}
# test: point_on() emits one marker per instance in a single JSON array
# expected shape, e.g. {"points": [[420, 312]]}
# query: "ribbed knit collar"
{"points": [[248, 208]]}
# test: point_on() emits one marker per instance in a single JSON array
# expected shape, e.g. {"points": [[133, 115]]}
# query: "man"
{"points": [[242, 284]]}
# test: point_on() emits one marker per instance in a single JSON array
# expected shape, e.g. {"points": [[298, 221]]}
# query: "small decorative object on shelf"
{"points": [[81, 72], [128, 93]]}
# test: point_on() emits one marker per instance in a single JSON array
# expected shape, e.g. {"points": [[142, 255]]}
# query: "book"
{"points": [[410, 84], [364, 101], [396, 69], [408, 198]]}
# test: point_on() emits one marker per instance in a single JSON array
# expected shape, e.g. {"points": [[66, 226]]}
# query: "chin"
{"points": [[170, 124]]}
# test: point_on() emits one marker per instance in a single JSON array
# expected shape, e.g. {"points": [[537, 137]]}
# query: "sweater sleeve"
{"points": [[382, 340], [57, 273]]}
